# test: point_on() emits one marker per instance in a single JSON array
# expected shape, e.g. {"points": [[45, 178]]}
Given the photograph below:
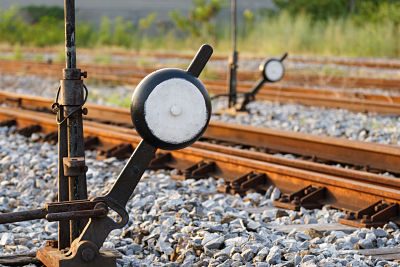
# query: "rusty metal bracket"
{"points": [[251, 180], [51, 137], [8, 123], [14, 101], [200, 170], [375, 215], [29, 130], [309, 197], [19, 260], [74, 166], [160, 161], [121, 151], [91, 142], [85, 255]]}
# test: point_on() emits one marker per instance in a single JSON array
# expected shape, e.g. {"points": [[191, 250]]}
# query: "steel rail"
{"points": [[343, 192], [359, 102], [366, 155], [132, 74], [121, 70], [352, 62]]}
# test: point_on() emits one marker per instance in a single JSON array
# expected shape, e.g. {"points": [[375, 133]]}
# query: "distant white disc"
{"points": [[175, 111], [274, 70]]}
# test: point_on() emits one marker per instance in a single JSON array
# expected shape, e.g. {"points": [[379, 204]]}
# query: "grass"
{"points": [[340, 37], [270, 35]]}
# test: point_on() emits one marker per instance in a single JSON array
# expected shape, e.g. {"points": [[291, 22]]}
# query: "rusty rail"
{"points": [[243, 170], [124, 71], [354, 62], [340, 98], [366, 155]]}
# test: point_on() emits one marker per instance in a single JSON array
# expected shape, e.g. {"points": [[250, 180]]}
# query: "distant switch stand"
{"points": [[170, 109], [272, 71]]}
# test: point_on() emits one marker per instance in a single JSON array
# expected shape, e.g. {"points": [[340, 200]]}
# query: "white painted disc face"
{"points": [[274, 70], [175, 111]]}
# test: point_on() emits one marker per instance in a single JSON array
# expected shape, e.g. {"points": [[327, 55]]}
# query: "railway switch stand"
{"points": [[272, 70], [170, 109]]}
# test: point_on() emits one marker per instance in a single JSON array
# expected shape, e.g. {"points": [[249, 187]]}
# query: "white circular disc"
{"points": [[274, 70], [175, 111]]}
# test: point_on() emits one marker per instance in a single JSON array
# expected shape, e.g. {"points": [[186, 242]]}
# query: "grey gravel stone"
{"points": [[169, 223], [248, 255], [274, 255], [366, 243], [213, 241], [379, 232], [319, 121], [7, 239]]}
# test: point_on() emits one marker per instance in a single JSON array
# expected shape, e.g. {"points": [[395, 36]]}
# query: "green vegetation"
{"points": [[201, 21], [360, 10], [324, 27]]}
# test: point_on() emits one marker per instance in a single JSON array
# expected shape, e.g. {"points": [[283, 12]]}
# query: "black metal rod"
{"points": [[132, 173], [234, 24], [233, 60], [22, 216], [250, 96], [200, 60], [74, 215], [284, 56], [257, 88], [70, 49]]}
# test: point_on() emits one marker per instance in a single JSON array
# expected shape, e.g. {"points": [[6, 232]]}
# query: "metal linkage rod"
{"points": [[21, 216]]}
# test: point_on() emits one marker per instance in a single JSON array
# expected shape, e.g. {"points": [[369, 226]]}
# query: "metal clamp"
{"points": [[74, 166]]}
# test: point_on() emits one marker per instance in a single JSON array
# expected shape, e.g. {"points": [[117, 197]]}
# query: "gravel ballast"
{"points": [[367, 127], [180, 223]]}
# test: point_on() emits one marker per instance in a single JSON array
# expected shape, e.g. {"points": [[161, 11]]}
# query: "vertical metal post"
{"points": [[233, 60], [70, 49], [72, 98], [63, 185]]}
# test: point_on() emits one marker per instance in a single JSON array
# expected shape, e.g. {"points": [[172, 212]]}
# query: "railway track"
{"points": [[284, 93], [123, 70], [303, 183], [362, 154]]}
